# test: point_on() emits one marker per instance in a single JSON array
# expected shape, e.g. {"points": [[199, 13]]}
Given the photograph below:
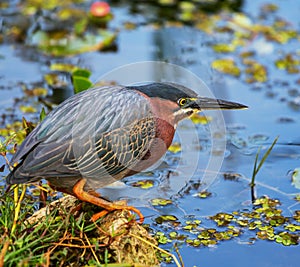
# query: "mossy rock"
{"points": [[123, 239]]}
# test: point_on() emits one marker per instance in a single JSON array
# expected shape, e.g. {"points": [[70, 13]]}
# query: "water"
{"points": [[247, 130]]}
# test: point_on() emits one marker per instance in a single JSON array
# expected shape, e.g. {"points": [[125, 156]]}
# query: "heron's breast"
{"points": [[165, 132], [160, 144]]}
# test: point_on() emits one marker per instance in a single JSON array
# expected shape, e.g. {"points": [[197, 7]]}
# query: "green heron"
{"points": [[105, 134]]}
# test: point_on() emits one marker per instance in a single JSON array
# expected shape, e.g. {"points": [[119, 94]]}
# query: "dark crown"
{"points": [[164, 90]]}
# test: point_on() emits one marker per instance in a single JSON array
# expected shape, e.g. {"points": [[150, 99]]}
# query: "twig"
{"points": [[179, 255], [95, 256], [72, 245], [3, 252]]}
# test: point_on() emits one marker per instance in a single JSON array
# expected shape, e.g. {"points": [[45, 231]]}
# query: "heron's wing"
{"points": [[112, 155], [84, 133]]}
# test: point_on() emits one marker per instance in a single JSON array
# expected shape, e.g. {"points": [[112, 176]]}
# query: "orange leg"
{"points": [[94, 198]]}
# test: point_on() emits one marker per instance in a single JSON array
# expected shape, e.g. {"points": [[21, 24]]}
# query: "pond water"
{"points": [[272, 112]]}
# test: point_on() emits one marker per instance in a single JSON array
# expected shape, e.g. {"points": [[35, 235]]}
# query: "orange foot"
{"points": [[95, 199]]}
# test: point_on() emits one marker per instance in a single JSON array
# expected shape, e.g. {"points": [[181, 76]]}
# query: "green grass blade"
{"points": [[254, 168], [266, 155], [257, 168]]}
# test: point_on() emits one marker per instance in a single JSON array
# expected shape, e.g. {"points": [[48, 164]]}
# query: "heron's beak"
{"points": [[204, 103]]}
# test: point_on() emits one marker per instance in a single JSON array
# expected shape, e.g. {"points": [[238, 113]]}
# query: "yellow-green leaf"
{"points": [[204, 194], [200, 119], [175, 148], [224, 48], [62, 67], [160, 202], [81, 84], [145, 184], [226, 66], [28, 109]]}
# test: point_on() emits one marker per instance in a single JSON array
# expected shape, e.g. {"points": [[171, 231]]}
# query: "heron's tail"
{"points": [[14, 178]]}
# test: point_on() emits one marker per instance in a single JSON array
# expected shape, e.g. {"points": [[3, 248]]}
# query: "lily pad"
{"points": [[200, 119], [38, 91], [289, 63], [204, 194], [28, 109], [144, 184], [64, 44], [224, 48], [287, 239], [175, 148], [165, 218], [255, 71], [227, 66], [162, 238], [55, 80], [222, 218], [63, 67], [160, 202]]}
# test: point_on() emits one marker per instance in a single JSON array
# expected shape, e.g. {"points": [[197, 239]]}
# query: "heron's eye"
{"points": [[182, 101]]}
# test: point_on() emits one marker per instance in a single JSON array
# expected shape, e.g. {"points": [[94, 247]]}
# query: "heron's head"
{"points": [[179, 102]]}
